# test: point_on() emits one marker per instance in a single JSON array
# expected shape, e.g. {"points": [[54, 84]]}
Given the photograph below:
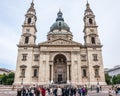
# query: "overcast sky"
{"points": [[12, 14]]}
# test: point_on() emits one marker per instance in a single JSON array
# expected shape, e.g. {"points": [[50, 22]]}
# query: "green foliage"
{"points": [[116, 79], [7, 79], [112, 80], [108, 79]]}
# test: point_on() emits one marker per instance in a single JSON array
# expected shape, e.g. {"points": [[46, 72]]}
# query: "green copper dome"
{"points": [[59, 24]]}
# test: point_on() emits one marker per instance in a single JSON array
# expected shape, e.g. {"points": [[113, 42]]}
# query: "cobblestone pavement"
{"points": [[9, 92], [103, 93]]}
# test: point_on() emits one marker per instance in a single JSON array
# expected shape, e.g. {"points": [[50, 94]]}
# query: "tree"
{"points": [[116, 79], [7, 79], [108, 79]]}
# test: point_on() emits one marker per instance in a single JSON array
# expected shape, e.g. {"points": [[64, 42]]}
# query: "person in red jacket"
{"points": [[43, 91]]}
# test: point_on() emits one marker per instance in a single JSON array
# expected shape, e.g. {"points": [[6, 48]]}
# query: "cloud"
{"points": [[12, 17], [8, 48]]}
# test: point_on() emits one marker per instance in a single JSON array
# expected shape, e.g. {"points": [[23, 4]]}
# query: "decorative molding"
{"points": [[22, 76], [96, 66], [35, 66], [23, 66], [84, 66], [60, 42]]}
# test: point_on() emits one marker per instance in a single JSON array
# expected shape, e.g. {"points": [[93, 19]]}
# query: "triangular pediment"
{"points": [[60, 42]]}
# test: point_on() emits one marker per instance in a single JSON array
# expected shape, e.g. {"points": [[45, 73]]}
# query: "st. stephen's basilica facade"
{"points": [[59, 59]]}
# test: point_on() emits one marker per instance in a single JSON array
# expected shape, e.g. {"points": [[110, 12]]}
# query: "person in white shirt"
{"points": [[59, 91]]}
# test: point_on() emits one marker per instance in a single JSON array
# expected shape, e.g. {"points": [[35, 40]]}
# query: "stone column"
{"points": [[68, 80], [52, 73]]}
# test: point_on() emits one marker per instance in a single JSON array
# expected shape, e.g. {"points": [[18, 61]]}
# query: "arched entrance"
{"points": [[60, 69]]}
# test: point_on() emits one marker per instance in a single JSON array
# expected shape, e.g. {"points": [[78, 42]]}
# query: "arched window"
{"points": [[23, 72], [93, 40], [35, 73], [26, 39], [29, 20], [90, 21], [84, 73], [96, 72]]}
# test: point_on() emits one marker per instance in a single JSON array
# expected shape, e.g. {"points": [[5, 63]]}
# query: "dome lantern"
{"points": [[59, 18]]}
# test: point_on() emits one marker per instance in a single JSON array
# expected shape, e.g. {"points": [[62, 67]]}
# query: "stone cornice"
{"points": [[30, 26], [96, 66], [54, 45], [84, 66], [89, 27], [91, 46], [60, 45], [60, 42], [28, 45], [35, 66], [28, 34], [23, 66]]}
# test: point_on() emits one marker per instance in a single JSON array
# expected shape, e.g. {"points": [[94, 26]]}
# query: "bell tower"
{"points": [[91, 36], [28, 36]]}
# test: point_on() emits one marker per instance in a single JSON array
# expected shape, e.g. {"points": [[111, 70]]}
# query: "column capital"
{"points": [[51, 63], [68, 62]]}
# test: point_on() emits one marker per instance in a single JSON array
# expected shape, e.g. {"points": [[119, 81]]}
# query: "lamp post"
{"points": [[97, 81], [22, 81]]}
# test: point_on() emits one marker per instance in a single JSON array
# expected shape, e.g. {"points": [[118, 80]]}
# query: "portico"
{"points": [[60, 69]]}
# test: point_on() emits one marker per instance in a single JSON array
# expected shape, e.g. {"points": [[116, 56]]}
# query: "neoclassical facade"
{"points": [[59, 59]]}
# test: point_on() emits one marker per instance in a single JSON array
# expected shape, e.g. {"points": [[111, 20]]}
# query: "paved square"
{"points": [[9, 92]]}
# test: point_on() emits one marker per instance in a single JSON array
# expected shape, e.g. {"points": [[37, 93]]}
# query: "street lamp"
{"points": [[22, 81], [97, 81]]}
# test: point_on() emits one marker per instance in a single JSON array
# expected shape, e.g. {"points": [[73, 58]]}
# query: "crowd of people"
{"points": [[64, 90], [114, 90], [53, 91]]}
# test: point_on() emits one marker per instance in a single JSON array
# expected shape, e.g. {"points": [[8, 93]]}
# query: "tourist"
{"points": [[59, 91], [110, 92], [86, 90], [97, 88], [55, 91], [31, 91], [77, 92], [23, 91], [47, 92], [116, 90], [27, 92], [19, 92], [83, 91], [80, 91], [74, 91], [37, 91], [51, 91], [43, 91]]}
